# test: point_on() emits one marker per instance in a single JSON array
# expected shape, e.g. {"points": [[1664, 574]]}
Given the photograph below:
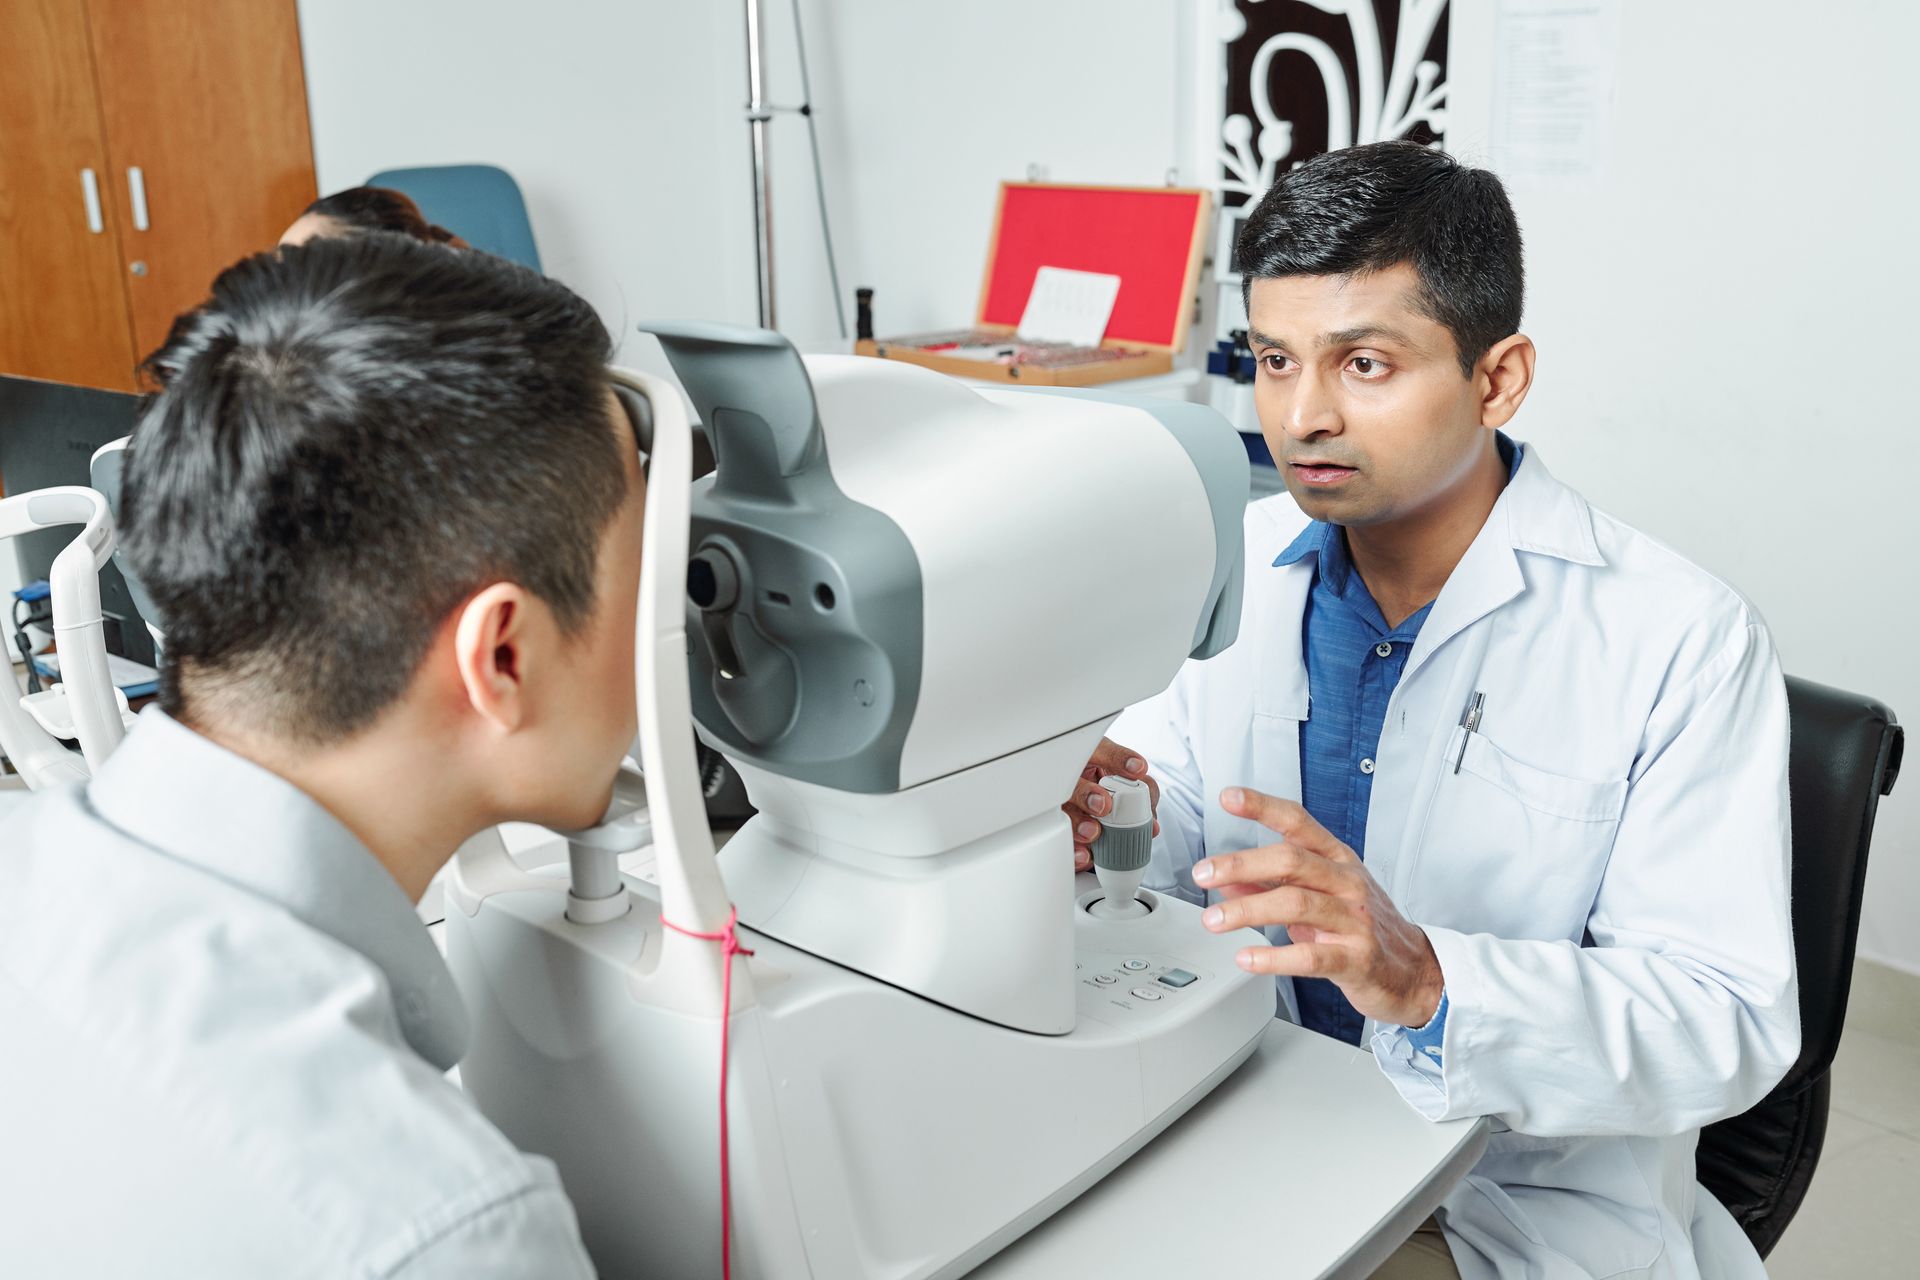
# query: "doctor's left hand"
{"points": [[1343, 925]]}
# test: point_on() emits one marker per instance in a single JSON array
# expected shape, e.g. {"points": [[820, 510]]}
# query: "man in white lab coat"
{"points": [[1503, 780], [389, 510]]}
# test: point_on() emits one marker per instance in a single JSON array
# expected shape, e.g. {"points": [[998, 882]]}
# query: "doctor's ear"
{"points": [[1502, 378], [489, 648]]}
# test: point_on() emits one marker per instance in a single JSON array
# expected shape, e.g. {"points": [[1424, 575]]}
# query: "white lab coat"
{"points": [[1605, 879]]}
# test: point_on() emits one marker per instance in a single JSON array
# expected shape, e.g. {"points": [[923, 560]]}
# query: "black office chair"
{"points": [[1845, 755]]}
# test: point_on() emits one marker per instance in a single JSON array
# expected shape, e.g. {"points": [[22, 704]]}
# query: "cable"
{"points": [[819, 177], [730, 947]]}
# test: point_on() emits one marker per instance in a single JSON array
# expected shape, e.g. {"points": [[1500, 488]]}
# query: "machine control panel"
{"points": [[1122, 985]]}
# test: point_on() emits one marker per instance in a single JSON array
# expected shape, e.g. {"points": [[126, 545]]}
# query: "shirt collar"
{"points": [[197, 802]]}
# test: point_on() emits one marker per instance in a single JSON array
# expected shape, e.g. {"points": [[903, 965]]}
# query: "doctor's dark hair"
{"points": [[1372, 207], [350, 438]]}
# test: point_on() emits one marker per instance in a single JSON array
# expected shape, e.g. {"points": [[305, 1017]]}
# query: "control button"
{"points": [[1383, 650], [1366, 766], [1105, 979], [1178, 978], [1135, 966], [1144, 993]]}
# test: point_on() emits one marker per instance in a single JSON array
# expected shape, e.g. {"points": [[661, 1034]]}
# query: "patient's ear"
{"points": [[489, 649]]}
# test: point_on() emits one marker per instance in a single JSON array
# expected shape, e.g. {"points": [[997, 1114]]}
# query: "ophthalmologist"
{"points": [[1503, 780]]}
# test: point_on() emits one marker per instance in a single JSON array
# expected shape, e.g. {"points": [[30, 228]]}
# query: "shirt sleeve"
{"points": [[1427, 1040], [528, 1232]]}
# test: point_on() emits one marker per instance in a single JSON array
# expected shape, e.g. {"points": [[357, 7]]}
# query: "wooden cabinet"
{"points": [[144, 146]]}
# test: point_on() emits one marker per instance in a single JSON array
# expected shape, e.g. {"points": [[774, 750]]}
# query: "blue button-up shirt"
{"points": [[1354, 661]]}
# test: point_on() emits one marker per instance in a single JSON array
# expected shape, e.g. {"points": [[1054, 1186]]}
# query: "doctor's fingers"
{"points": [[1084, 829], [1287, 817], [1286, 905], [1300, 960], [1111, 757], [1090, 798], [1273, 865]]}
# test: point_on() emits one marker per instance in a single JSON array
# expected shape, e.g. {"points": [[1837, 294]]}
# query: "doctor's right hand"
{"points": [[1090, 801]]}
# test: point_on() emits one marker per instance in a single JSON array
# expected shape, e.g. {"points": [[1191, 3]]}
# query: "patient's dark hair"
{"points": [[1376, 206], [351, 438], [382, 209]]}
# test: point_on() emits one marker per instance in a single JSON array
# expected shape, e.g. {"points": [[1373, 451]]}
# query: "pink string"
{"points": [[729, 948]]}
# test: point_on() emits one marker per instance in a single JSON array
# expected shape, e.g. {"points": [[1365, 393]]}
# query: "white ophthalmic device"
{"points": [[84, 706], [906, 610]]}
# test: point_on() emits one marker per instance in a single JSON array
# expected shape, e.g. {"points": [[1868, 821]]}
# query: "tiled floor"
{"points": [[1862, 1214]]}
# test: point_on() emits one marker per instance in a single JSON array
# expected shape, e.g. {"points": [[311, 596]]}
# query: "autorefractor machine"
{"points": [[906, 610]]}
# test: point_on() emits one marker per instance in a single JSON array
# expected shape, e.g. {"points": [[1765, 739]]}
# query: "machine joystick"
{"points": [[1121, 851]]}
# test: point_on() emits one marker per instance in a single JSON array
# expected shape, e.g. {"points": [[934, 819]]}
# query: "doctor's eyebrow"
{"points": [[1366, 333], [1353, 337]]}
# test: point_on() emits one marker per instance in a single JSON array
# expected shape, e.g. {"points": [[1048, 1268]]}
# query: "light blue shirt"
{"points": [[226, 1034]]}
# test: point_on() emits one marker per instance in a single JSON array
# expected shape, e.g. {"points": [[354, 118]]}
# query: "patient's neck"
{"points": [[385, 784]]}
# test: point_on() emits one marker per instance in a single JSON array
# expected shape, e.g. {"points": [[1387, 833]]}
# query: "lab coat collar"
{"points": [[193, 800], [1536, 514], [1546, 517]]}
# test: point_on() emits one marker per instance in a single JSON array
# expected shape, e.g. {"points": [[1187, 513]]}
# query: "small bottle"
{"points": [[863, 315], [1121, 851]]}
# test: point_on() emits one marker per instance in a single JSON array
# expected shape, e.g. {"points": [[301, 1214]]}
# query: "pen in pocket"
{"points": [[1469, 721]]}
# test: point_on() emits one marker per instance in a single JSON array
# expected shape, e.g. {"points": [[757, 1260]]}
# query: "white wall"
{"points": [[623, 122], [1724, 327]]}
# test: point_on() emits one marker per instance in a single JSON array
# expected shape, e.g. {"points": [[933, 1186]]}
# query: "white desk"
{"points": [[1305, 1162]]}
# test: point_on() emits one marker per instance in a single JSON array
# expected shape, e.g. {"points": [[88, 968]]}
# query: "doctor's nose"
{"points": [[1309, 410]]}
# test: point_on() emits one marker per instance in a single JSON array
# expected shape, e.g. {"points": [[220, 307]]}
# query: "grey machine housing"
{"points": [[805, 608]]}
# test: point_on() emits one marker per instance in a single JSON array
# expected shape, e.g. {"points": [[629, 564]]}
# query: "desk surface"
{"points": [[1305, 1162]]}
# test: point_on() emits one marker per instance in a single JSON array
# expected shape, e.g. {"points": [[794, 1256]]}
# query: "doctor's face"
{"points": [[1360, 396]]}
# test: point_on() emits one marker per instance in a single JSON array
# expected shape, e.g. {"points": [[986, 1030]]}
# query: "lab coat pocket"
{"points": [[1513, 849], [1584, 1199]]}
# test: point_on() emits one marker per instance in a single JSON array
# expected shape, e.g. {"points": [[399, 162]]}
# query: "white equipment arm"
{"points": [[79, 632]]}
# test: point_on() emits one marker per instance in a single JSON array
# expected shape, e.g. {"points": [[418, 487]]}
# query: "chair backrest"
{"points": [[1845, 755], [479, 203]]}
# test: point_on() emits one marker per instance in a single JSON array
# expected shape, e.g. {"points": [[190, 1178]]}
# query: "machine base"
{"points": [[874, 1133]]}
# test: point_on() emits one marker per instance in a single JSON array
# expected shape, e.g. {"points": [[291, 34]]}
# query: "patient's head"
{"points": [[362, 209], [386, 485]]}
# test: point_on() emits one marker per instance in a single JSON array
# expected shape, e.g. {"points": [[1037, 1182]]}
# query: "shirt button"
{"points": [[1366, 766], [1383, 650]]}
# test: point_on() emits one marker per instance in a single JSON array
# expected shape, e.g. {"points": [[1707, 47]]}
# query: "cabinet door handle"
{"points": [[137, 196], [90, 190]]}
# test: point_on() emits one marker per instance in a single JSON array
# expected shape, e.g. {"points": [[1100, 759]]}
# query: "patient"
{"points": [[362, 209], [391, 511]]}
